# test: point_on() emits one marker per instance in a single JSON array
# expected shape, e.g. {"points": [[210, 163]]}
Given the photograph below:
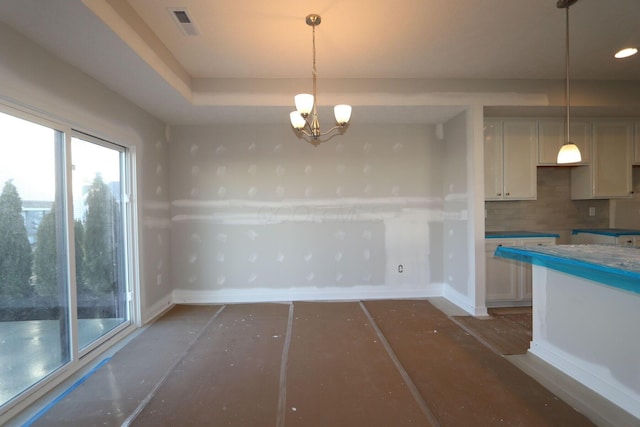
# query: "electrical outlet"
{"points": [[400, 268], [592, 211]]}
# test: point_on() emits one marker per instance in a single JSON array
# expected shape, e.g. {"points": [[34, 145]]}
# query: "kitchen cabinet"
{"points": [[551, 136], [611, 236], [510, 156], [609, 173], [508, 282], [636, 145]]}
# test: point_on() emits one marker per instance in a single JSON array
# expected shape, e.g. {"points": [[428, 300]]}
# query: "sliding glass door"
{"points": [[98, 182], [34, 321], [63, 248]]}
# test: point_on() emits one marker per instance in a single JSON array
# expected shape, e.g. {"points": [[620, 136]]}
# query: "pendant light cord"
{"points": [[568, 92]]}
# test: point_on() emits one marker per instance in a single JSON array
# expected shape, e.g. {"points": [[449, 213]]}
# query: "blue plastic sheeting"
{"points": [[617, 266], [517, 234], [616, 232]]}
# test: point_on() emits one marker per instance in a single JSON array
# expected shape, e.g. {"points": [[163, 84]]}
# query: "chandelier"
{"points": [[569, 152], [305, 119]]}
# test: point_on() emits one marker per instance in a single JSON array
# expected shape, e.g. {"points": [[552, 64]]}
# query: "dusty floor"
{"points": [[375, 363]]}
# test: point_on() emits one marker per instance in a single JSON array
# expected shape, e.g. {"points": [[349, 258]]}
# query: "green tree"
{"points": [[45, 268], [15, 250], [99, 245], [45, 257], [78, 232]]}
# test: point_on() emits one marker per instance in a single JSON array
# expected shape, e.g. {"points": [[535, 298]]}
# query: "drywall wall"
{"points": [[33, 80], [461, 277], [258, 214]]}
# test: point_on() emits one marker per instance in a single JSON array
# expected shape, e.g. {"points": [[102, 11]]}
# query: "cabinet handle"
{"points": [[499, 194], [507, 194]]}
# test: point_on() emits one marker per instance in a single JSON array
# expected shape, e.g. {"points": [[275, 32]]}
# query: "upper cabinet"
{"points": [[609, 172], [551, 136], [510, 156]]}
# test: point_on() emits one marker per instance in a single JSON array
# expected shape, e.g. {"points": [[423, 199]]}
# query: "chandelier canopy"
{"points": [[305, 119]]}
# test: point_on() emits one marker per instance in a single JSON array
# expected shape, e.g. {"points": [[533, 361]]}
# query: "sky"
{"points": [[27, 156]]}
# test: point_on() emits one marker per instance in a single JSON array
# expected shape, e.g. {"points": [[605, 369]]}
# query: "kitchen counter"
{"points": [[586, 312], [617, 232], [617, 266], [518, 234]]}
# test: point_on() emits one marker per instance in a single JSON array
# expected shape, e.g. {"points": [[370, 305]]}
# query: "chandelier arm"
{"points": [[332, 129], [304, 132]]}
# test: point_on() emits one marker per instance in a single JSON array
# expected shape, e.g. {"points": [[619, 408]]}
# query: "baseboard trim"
{"points": [[156, 310], [463, 301], [229, 296], [605, 385]]}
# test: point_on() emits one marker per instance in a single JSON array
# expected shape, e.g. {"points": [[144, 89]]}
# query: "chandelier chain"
{"points": [[315, 71]]}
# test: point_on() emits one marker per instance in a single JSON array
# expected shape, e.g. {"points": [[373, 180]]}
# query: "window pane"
{"points": [[34, 320], [99, 239]]}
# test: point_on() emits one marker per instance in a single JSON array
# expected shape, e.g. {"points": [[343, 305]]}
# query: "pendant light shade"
{"points": [[297, 121], [569, 152], [304, 103], [342, 113]]}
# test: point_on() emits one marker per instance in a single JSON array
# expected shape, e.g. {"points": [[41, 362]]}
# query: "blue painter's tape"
{"points": [[518, 234], [615, 232], [75, 385], [611, 265]]}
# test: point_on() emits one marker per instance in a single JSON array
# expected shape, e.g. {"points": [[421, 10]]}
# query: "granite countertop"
{"points": [[520, 234], [607, 231]]}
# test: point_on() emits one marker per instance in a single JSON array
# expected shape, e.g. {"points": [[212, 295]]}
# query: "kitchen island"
{"points": [[586, 315]]}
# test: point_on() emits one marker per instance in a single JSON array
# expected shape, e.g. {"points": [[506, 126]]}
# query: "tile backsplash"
{"points": [[553, 211]]}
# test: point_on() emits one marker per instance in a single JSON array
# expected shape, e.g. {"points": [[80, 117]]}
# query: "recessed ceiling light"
{"points": [[626, 52]]}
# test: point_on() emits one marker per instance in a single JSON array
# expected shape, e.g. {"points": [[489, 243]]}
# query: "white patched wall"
{"points": [[258, 214]]}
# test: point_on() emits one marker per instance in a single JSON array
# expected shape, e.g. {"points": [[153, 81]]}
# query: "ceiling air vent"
{"points": [[184, 21]]}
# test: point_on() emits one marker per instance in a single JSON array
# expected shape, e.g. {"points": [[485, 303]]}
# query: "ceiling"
{"points": [[250, 57]]}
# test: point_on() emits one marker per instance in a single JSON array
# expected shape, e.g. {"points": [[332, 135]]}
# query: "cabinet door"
{"points": [[492, 160], [612, 142], [627, 240], [525, 288], [503, 275], [551, 136], [520, 147], [636, 145]]}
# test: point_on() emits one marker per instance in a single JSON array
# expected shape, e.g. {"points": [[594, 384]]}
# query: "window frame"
{"points": [[79, 358]]}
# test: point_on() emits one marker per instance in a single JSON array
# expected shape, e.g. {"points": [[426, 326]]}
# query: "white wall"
{"points": [[463, 280], [33, 80], [257, 214]]}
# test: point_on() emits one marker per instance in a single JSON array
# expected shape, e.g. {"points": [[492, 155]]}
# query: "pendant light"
{"points": [[569, 152], [306, 104]]}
